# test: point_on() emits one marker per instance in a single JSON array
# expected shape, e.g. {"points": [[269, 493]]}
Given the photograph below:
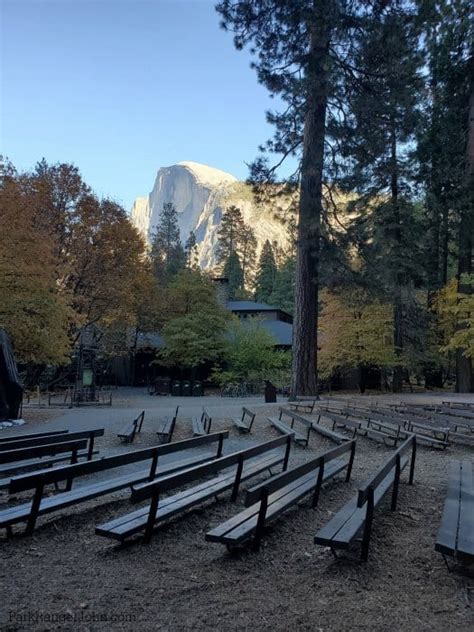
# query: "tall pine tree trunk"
{"points": [[398, 337], [464, 373], [304, 374]]}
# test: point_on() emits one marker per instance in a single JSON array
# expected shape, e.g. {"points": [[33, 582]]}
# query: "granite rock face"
{"points": [[200, 195]]}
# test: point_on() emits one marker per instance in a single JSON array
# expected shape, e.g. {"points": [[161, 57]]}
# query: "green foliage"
{"points": [[250, 353], [234, 273], [167, 253], [194, 322], [283, 294], [266, 274]]}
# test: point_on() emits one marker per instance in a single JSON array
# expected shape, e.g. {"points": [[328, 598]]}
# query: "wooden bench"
{"points": [[202, 425], [268, 500], [32, 435], [37, 481], [456, 532], [371, 425], [298, 437], [166, 427], [128, 432], [28, 460], [307, 405], [357, 515], [244, 464], [240, 422]]}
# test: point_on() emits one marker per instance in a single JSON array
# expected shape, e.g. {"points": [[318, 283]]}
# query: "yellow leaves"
{"points": [[455, 307], [353, 332]]}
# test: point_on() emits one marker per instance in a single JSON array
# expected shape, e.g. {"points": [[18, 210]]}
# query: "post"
{"points": [[319, 482], [69, 480], [369, 516], [287, 453], [238, 476], [154, 464], [351, 462], [412, 464], [151, 517], [261, 519], [35, 505], [219, 447], [396, 482], [90, 452]]}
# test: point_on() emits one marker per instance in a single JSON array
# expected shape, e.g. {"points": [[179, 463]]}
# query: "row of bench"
{"points": [[263, 502]]}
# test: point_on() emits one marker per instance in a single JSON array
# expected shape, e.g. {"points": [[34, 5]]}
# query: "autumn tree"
{"points": [[32, 309]]}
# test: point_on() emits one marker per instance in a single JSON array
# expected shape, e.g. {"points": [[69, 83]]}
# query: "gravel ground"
{"points": [[66, 578]]}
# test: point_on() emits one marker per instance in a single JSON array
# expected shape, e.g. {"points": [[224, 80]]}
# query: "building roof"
{"points": [[250, 306], [150, 340], [281, 331]]}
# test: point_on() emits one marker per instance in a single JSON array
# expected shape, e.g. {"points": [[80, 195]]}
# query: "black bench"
{"points": [[150, 517], [31, 435], [266, 501], [202, 425], [307, 405], [166, 427], [371, 425], [456, 532], [29, 512], [28, 461], [297, 436], [241, 423], [128, 432], [357, 515]]}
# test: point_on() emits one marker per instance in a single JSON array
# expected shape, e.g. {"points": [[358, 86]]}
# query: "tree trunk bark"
{"points": [[464, 372], [305, 369]]}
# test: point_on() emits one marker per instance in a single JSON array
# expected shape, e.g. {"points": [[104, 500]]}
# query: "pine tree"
{"points": [[303, 52], [230, 233], [266, 274], [167, 253], [380, 162], [234, 273], [247, 248], [191, 251], [283, 294]]}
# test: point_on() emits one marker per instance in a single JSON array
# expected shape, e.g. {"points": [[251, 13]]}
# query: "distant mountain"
{"points": [[200, 195]]}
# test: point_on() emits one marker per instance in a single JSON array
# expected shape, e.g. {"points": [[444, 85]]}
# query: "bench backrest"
{"points": [[374, 481], [23, 454], [68, 472], [295, 416], [342, 419], [154, 488], [32, 435], [249, 413], [60, 438], [139, 421], [206, 420], [285, 478]]}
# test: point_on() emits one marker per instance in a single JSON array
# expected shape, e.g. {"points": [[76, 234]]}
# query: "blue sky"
{"points": [[123, 87]]}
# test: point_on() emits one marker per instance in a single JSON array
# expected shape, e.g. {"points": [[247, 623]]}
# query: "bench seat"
{"points": [[341, 530], [284, 429], [456, 532], [242, 526], [31, 464], [83, 493], [129, 524]]}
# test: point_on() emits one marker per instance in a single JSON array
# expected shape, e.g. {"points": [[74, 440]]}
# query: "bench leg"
{"points": [[35, 505], [261, 520], [364, 553], [151, 518]]}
